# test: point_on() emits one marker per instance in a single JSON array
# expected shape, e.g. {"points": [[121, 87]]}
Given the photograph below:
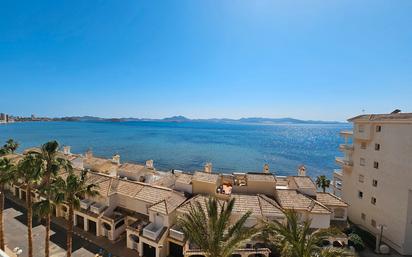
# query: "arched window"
{"points": [[134, 238], [107, 226]]}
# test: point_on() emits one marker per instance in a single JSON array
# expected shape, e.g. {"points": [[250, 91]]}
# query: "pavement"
{"points": [[84, 243], [367, 252]]}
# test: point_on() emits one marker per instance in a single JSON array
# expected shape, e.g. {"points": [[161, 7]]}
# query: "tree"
{"points": [[73, 189], [11, 146], [52, 165], [29, 171], [322, 182], [211, 230], [296, 239], [6, 177]]}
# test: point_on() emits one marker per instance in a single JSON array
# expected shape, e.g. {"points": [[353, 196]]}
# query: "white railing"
{"points": [[97, 208], [176, 234], [152, 231], [343, 161], [348, 147]]}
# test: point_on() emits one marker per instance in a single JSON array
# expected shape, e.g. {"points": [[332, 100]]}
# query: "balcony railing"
{"points": [[344, 162], [338, 174], [176, 233], [346, 147], [347, 133], [152, 231]]}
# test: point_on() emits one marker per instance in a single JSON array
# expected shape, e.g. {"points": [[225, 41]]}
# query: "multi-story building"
{"points": [[133, 202], [376, 176]]}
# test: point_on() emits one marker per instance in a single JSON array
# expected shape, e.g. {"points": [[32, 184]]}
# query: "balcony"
{"points": [[344, 162], [176, 232], [346, 147], [97, 208], [346, 133], [338, 174], [85, 204], [152, 231]]}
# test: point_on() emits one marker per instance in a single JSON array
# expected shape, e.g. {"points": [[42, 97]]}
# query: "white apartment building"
{"points": [[376, 176]]}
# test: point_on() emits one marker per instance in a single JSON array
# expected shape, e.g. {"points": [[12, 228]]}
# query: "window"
{"points": [[377, 147], [373, 223], [361, 128], [376, 165], [361, 178], [374, 183], [362, 162], [373, 200], [363, 216], [360, 194], [378, 128], [363, 145]]}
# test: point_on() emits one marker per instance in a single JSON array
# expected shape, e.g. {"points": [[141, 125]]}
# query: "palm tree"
{"points": [[6, 177], [323, 182], [211, 229], [296, 239], [53, 164], [73, 189], [11, 146], [29, 171]]}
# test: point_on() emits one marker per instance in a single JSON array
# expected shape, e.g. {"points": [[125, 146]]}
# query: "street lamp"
{"points": [[380, 227]]}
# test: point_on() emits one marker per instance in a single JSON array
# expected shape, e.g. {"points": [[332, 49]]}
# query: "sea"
{"points": [[187, 146]]}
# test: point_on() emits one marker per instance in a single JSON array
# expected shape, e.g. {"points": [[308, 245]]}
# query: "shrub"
{"points": [[356, 241]]}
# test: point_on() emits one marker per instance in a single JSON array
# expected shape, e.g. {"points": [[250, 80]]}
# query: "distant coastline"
{"points": [[251, 120]]}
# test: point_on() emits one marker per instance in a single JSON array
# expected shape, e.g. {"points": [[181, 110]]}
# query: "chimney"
{"points": [[149, 164], [89, 154], [116, 159], [66, 150], [266, 168], [302, 171], [208, 167]]}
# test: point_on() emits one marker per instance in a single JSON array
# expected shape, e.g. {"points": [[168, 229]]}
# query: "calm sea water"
{"points": [[188, 146]]}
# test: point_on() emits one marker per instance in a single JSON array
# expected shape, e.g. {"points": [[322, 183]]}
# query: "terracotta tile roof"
{"points": [[270, 207], [100, 165], [382, 117], [329, 199], [169, 204], [304, 182], [184, 178], [151, 194], [103, 182], [125, 187], [259, 205], [132, 167], [205, 177], [262, 177], [291, 199]]}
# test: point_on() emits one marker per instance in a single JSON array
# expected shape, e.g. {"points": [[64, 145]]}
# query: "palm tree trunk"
{"points": [[70, 232], [47, 238], [29, 221], [1, 219]]}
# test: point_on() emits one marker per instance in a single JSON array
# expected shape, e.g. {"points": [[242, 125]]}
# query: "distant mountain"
{"points": [[179, 118]]}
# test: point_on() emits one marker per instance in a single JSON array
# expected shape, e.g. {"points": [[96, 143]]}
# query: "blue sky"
{"points": [[324, 60]]}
